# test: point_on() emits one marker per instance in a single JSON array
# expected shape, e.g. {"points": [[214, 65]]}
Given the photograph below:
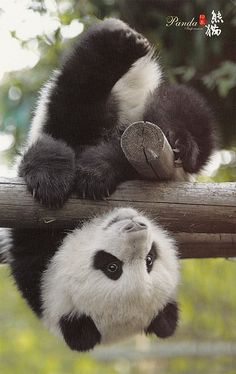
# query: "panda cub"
{"points": [[116, 275]]}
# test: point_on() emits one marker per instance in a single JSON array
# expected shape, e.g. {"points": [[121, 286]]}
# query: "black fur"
{"points": [[99, 169], [31, 252], [48, 168], [165, 323], [187, 122], [80, 333], [103, 260]]}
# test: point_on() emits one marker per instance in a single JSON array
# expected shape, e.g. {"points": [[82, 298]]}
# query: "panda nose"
{"points": [[133, 226]]}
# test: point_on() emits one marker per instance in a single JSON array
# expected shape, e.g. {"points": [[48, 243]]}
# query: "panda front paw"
{"points": [[94, 183], [49, 188], [186, 149], [79, 332], [48, 168]]}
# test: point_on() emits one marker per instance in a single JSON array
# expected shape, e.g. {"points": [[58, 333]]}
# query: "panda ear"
{"points": [[80, 333], [165, 323]]}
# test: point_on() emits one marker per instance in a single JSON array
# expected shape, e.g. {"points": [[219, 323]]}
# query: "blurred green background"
{"points": [[34, 36]]}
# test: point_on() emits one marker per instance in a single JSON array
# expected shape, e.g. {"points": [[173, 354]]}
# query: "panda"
{"points": [[117, 274]]}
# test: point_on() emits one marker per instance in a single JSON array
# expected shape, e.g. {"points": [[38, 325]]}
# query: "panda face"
{"points": [[126, 236], [119, 270]]}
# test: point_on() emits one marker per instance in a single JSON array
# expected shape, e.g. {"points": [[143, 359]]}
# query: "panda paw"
{"points": [[49, 189], [48, 168], [79, 332], [94, 183], [135, 44], [126, 42], [186, 149]]}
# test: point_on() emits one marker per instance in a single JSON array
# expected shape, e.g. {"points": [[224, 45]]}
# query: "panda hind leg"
{"points": [[105, 53], [122, 42]]}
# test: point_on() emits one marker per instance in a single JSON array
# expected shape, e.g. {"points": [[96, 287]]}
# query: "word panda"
{"points": [[112, 278], [110, 80]]}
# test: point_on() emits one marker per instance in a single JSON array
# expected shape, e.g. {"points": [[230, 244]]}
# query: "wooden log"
{"points": [[149, 152], [202, 245], [180, 207], [202, 216]]}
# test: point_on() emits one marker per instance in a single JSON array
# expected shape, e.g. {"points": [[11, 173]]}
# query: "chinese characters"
{"points": [[213, 27]]}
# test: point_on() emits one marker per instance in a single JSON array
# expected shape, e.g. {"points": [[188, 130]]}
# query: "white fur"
{"points": [[5, 244], [118, 308], [133, 89], [39, 118], [40, 115]]}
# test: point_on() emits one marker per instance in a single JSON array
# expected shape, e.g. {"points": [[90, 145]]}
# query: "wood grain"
{"points": [[202, 216], [147, 149]]}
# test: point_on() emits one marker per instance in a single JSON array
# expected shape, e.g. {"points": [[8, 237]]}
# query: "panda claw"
{"points": [[176, 150], [178, 161]]}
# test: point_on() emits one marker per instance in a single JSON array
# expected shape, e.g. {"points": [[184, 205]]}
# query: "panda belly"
{"points": [[133, 89]]}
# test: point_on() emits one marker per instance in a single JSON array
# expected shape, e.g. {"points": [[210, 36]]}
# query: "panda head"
{"points": [[114, 277]]}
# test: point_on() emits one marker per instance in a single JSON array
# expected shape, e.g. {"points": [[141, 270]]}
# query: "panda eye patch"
{"points": [[110, 265], [151, 257]]}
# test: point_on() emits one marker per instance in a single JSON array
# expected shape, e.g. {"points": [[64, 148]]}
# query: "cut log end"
{"points": [[149, 152]]}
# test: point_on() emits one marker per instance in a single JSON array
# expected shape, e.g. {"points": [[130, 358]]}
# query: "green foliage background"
{"points": [[207, 294]]}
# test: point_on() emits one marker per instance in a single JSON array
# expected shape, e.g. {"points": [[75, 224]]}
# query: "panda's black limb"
{"points": [[48, 168], [31, 250], [100, 168], [165, 323], [80, 106], [79, 332], [186, 120]]}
